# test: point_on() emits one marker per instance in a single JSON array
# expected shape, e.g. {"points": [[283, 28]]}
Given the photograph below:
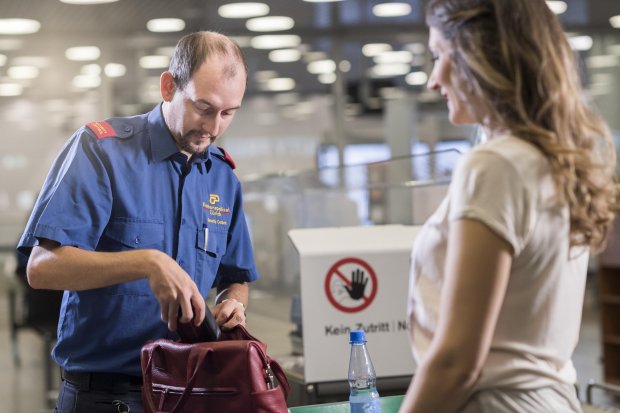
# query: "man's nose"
{"points": [[211, 125]]}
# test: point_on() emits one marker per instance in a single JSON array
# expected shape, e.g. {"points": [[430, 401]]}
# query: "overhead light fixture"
{"points": [[615, 21], [391, 9], [327, 78], [390, 70], [416, 78], [322, 66], [154, 62], [557, 7], [86, 82], [19, 26], [262, 76], [373, 49], [270, 24], [242, 41], [23, 72], [602, 61], [11, 89], [344, 66], [315, 55], [165, 25], [87, 2], [114, 70], [275, 41], [396, 56], [284, 55], [83, 53], [91, 70], [38, 61], [415, 48], [580, 43], [243, 10], [280, 84], [322, 1]]}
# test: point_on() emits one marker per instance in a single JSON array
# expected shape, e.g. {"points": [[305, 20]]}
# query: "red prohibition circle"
{"points": [[333, 271]]}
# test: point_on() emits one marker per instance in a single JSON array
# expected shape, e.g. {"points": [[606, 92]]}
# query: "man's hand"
{"points": [[175, 291], [229, 313]]}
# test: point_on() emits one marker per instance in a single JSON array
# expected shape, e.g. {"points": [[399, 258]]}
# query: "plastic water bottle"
{"points": [[363, 397]]}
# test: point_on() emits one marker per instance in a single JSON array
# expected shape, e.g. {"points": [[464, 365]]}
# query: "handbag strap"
{"points": [[195, 360]]}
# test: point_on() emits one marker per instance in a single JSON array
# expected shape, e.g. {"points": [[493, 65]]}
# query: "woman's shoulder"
{"points": [[509, 151]]}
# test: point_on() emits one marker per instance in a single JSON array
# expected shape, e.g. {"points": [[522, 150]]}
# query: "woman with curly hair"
{"points": [[499, 270]]}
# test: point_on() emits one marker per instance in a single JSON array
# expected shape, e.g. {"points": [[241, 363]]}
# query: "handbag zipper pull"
{"points": [[270, 379]]}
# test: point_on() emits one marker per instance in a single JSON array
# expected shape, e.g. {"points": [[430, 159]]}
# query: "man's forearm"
{"points": [[236, 291], [69, 268]]}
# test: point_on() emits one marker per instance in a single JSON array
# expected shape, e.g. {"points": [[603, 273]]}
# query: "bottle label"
{"points": [[370, 406]]}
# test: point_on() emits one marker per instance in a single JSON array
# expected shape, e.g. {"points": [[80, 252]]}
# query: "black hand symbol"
{"points": [[358, 285]]}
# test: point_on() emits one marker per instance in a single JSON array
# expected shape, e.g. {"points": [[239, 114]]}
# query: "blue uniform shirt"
{"points": [[120, 185]]}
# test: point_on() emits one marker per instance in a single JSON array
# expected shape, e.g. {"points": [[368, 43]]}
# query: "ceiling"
{"points": [[119, 30]]}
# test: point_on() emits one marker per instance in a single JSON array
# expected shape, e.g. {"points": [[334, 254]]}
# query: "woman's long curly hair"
{"points": [[514, 58]]}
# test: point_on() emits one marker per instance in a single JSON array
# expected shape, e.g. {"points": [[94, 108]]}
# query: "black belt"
{"points": [[110, 382]]}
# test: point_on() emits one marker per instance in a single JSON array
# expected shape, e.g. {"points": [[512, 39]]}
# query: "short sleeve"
{"points": [[74, 205], [238, 263], [488, 188]]}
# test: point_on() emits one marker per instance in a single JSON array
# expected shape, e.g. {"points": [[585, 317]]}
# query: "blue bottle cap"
{"points": [[357, 336]]}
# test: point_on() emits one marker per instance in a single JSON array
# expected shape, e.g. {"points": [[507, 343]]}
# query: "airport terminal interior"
{"points": [[341, 150]]}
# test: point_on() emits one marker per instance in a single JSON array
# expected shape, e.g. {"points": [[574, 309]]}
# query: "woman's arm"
{"points": [[477, 270]]}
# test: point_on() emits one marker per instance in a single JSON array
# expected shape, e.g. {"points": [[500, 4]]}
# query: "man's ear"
{"points": [[167, 86]]}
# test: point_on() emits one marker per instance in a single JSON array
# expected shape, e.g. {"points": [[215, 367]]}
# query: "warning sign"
{"points": [[351, 285]]}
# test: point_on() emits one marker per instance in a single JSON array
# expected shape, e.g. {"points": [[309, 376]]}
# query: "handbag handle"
{"points": [[199, 361]]}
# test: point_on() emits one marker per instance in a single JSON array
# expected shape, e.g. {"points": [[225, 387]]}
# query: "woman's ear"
{"points": [[167, 86]]}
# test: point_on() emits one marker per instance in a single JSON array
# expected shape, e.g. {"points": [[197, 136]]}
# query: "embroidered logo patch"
{"points": [[217, 213], [102, 129]]}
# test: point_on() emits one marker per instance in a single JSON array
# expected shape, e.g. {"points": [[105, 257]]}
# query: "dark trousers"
{"points": [[98, 393]]}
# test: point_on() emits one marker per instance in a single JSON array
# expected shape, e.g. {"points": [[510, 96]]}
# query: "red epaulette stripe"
{"points": [[227, 158], [102, 129]]}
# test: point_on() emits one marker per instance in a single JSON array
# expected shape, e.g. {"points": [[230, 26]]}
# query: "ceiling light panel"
{"points": [[615, 21], [165, 25], [373, 49], [11, 89], [322, 1], [391, 9], [38, 61], [416, 78], [19, 26], [390, 70], [557, 7], [275, 41], [322, 66], [397, 56], [280, 84], [270, 24], [284, 55], [87, 2], [154, 62], [243, 10], [580, 43], [114, 70], [23, 72], [83, 53]]}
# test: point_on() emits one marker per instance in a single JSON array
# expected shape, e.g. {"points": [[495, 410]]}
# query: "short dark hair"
{"points": [[195, 48]]}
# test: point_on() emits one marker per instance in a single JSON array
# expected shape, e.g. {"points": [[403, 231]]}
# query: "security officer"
{"points": [[138, 219]]}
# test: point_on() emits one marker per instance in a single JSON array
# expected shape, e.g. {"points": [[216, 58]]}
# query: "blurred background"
{"points": [[337, 126]]}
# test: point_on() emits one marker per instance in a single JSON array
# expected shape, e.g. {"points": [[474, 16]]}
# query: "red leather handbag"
{"points": [[231, 375]]}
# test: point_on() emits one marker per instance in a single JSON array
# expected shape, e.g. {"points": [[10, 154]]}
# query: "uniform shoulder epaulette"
{"points": [[225, 157], [104, 129]]}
